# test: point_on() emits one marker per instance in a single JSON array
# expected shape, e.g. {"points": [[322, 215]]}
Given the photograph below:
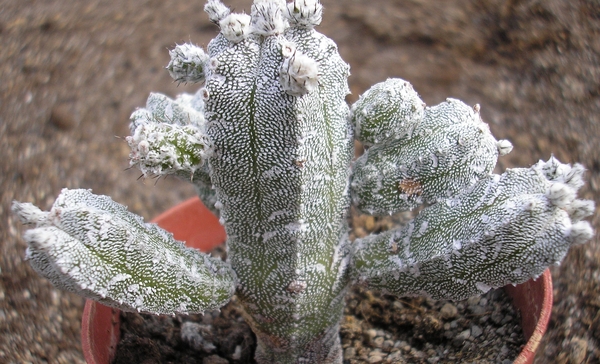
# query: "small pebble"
{"points": [[214, 359], [349, 353], [578, 350], [237, 353], [375, 359], [497, 317], [477, 310], [460, 339], [506, 319], [476, 331], [448, 311], [371, 334], [387, 345], [473, 301], [395, 357], [378, 341]]}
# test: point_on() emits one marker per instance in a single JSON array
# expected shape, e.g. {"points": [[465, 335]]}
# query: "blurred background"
{"points": [[71, 73]]}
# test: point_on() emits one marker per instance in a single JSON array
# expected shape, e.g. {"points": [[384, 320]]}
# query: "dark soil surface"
{"points": [[71, 72], [375, 329]]}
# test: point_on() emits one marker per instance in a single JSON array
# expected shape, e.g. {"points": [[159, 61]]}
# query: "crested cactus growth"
{"points": [[268, 143]]}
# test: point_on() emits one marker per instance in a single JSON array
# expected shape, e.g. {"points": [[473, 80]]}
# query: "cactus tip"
{"points": [[504, 147], [581, 232], [216, 10], [28, 213], [305, 13], [235, 27]]}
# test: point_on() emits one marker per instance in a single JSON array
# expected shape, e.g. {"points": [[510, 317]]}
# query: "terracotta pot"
{"points": [[100, 324]]}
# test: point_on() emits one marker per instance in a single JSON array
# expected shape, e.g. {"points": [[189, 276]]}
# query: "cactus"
{"points": [[268, 143]]}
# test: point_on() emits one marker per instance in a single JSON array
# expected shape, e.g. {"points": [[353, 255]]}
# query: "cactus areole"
{"points": [[268, 143]]}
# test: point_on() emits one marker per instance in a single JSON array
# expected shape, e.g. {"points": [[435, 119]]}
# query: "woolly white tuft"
{"points": [[187, 63], [298, 74], [235, 27], [305, 13], [216, 10]]}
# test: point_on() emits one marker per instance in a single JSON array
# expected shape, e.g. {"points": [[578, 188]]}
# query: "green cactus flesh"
{"points": [[268, 144], [280, 165], [92, 246], [505, 229], [443, 152]]}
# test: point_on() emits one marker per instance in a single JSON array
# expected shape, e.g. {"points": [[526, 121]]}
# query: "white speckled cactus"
{"points": [[268, 142]]}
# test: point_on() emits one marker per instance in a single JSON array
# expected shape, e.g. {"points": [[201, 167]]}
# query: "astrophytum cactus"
{"points": [[268, 142]]}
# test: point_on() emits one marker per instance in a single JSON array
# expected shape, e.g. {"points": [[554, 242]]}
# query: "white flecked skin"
{"points": [[91, 245], [504, 229], [434, 155], [276, 114], [268, 143]]}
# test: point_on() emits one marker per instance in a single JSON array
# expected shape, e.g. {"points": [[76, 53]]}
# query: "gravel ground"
{"points": [[375, 328], [71, 72], [479, 330]]}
